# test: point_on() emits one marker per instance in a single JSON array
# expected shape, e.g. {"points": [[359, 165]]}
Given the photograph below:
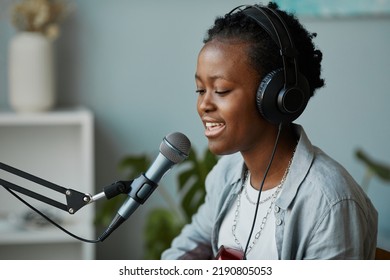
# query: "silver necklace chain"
{"points": [[253, 202], [269, 210]]}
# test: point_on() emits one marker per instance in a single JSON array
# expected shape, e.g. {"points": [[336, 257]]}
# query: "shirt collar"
{"points": [[301, 163]]}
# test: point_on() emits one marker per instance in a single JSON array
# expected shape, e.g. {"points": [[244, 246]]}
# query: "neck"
{"points": [[258, 159]]}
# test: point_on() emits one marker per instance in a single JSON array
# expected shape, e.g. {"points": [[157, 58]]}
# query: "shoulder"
{"points": [[331, 189], [317, 177], [331, 179], [321, 175]]}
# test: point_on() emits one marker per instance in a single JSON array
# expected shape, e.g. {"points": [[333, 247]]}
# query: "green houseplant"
{"points": [[164, 223], [373, 168]]}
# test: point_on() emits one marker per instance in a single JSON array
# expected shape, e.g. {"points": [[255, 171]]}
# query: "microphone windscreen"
{"points": [[175, 147]]}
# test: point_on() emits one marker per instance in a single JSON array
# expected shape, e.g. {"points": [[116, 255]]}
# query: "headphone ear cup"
{"points": [[266, 97], [278, 104]]}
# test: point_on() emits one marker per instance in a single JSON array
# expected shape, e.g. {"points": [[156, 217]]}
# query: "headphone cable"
{"points": [[261, 187], [48, 219]]}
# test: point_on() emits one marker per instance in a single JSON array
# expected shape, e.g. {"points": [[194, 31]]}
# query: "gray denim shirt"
{"points": [[322, 213]]}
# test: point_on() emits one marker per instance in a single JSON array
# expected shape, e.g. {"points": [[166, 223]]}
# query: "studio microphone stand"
{"points": [[75, 200]]}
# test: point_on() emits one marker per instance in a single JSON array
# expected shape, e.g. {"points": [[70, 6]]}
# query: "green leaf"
{"points": [[209, 160], [134, 165], [188, 199], [381, 170], [185, 177], [162, 226]]}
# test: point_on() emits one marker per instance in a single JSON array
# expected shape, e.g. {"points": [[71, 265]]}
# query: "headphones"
{"points": [[283, 94]]}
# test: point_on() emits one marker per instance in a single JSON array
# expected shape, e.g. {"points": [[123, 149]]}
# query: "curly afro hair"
{"points": [[263, 53]]}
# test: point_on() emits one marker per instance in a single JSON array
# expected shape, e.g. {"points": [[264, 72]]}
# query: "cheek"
{"points": [[198, 106], [247, 111]]}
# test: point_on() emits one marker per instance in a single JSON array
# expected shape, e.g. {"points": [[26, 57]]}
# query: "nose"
{"points": [[205, 103]]}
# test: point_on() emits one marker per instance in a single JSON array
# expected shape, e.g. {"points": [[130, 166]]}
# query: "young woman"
{"points": [[272, 195]]}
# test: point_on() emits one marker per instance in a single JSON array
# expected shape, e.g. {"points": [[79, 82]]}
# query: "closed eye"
{"points": [[200, 91], [222, 92]]}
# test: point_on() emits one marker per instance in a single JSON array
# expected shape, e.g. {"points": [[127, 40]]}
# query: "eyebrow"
{"points": [[215, 77]]}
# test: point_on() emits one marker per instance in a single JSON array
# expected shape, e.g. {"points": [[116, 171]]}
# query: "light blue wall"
{"points": [[132, 63]]}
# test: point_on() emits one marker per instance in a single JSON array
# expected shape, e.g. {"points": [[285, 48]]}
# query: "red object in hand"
{"points": [[229, 254]]}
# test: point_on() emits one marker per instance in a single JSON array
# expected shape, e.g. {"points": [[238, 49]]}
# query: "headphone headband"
{"points": [[276, 28]]}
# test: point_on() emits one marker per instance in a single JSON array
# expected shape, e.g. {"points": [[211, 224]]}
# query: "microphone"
{"points": [[174, 148]]}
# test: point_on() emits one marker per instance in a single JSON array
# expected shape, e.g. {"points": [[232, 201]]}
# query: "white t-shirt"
{"points": [[264, 247]]}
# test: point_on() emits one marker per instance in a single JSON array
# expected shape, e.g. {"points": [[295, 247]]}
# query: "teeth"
{"points": [[210, 125]]}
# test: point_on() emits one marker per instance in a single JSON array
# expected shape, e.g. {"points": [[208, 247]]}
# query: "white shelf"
{"points": [[58, 147], [60, 117], [36, 236]]}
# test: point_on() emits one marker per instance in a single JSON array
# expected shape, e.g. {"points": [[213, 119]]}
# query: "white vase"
{"points": [[31, 73]]}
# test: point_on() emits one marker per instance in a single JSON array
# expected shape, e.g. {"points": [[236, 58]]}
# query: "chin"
{"points": [[219, 150]]}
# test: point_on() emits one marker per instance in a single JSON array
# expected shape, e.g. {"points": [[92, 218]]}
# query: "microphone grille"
{"points": [[175, 147]]}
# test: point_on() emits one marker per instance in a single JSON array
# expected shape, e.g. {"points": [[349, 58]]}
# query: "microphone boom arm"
{"points": [[75, 200]]}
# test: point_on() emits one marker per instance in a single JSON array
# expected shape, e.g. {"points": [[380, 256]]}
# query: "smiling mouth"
{"points": [[213, 128]]}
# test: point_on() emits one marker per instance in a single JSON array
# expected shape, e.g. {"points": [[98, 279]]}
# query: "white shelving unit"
{"points": [[58, 147]]}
